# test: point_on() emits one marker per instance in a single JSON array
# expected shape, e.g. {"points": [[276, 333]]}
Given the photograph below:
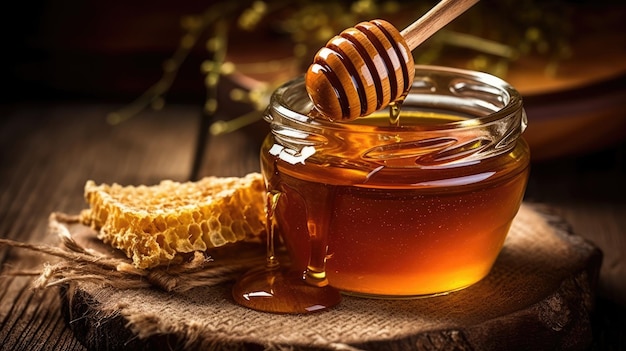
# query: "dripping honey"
{"points": [[392, 221]]}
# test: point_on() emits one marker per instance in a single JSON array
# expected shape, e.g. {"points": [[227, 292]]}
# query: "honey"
{"points": [[399, 233], [415, 204]]}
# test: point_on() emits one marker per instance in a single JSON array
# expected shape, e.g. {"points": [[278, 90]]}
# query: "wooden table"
{"points": [[49, 150]]}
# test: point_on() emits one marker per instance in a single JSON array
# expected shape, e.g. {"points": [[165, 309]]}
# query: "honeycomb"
{"points": [[159, 224]]}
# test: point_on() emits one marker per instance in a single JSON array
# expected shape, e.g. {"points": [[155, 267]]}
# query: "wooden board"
{"points": [[539, 295]]}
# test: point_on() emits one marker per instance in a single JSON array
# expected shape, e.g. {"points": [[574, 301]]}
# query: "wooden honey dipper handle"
{"points": [[369, 66], [435, 19]]}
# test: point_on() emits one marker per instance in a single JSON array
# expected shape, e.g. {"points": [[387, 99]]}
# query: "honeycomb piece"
{"points": [[157, 225]]}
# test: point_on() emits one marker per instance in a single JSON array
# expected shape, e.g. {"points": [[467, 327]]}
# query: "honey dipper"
{"points": [[370, 65]]}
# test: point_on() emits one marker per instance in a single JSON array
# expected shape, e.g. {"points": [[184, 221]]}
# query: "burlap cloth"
{"points": [[543, 278]]}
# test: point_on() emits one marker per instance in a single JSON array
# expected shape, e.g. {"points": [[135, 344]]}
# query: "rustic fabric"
{"points": [[85, 258], [542, 280]]}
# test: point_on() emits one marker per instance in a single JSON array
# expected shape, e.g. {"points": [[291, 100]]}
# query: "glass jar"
{"points": [[399, 206]]}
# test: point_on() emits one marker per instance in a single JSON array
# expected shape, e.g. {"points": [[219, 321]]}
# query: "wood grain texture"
{"points": [[435, 19], [48, 151], [47, 154]]}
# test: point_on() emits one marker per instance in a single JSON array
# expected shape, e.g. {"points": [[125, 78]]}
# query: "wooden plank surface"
{"points": [[49, 150]]}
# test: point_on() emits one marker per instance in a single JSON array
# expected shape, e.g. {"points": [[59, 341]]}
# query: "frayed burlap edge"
{"points": [[78, 263]]}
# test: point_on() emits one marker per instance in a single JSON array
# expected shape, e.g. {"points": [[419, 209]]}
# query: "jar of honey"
{"points": [[411, 201]]}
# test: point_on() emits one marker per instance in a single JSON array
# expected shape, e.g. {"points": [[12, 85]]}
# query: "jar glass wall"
{"points": [[416, 206]]}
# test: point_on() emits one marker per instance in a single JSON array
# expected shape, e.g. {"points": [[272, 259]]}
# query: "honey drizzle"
{"points": [[270, 226], [394, 113], [277, 289]]}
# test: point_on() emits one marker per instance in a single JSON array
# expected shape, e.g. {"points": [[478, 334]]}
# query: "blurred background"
{"points": [[568, 58]]}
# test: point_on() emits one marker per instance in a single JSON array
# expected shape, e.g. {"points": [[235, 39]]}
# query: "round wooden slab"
{"points": [[538, 296]]}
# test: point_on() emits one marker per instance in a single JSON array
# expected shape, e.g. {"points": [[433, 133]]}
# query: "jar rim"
{"points": [[462, 82]]}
